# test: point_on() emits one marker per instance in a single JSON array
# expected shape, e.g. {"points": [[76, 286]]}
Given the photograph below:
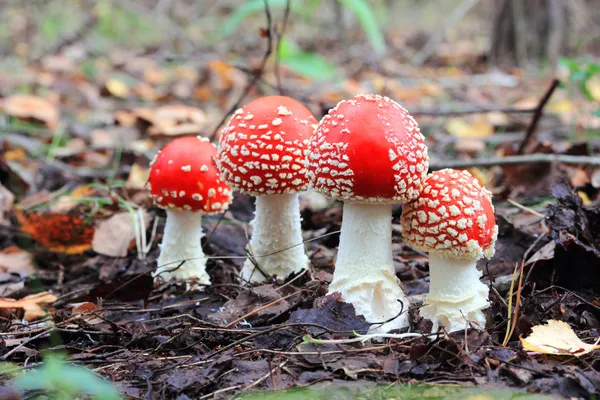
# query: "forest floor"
{"points": [[73, 166]]}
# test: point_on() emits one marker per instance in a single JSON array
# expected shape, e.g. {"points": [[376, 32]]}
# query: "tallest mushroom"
{"points": [[262, 153], [369, 153]]}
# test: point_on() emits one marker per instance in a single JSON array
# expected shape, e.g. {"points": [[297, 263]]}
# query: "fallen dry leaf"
{"points": [[556, 337], [113, 236], [476, 127], [59, 233], [16, 260], [26, 106], [117, 88], [32, 305], [138, 176], [69, 201]]}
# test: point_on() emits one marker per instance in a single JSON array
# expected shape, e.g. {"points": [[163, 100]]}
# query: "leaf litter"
{"points": [[76, 164]]}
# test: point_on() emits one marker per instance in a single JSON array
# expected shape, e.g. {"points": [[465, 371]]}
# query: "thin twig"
{"points": [[279, 33], [518, 159], [537, 115], [476, 110], [257, 73]]}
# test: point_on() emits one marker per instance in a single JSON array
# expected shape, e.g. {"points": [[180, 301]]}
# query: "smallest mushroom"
{"points": [[453, 220], [186, 183]]}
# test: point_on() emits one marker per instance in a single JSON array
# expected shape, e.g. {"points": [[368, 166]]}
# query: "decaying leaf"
{"points": [[113, 236], [15, 260], [26, 106], [60, 233], [69, 201], [556, 337], [32, 305]]}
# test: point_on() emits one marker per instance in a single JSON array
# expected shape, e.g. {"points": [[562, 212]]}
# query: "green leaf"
{"points": [[252, 7], [308, 64], [57, 376], [365, 15]]}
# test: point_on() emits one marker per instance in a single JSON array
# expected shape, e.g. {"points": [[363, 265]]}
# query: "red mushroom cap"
{"points": [[263, 147], [453, 217], [368, 150], [183, 176]]}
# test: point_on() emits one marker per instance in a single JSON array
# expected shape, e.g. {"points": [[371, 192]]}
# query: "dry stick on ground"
{"points": [[257, 73], [477, 110], [512, 160], [279, 33], [536, 116]]}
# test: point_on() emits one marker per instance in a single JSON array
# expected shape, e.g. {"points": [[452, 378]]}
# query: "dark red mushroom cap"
{"points": [[183, 176], [262, 149], [453, 217], [368, 150]]}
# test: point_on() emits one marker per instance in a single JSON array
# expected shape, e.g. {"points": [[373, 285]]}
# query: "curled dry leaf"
{"points": [[474, 127], [59, 233], [172, 120], [556, 337], [32, 305], [26, 106]]}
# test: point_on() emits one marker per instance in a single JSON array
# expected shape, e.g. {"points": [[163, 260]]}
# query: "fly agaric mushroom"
{"points": [[261, 153], [453, 220], [184, 181], [368, 152]]}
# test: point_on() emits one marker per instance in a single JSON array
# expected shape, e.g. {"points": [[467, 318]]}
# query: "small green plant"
{"points": [[581, 71], [60, 380], [309, 64]]}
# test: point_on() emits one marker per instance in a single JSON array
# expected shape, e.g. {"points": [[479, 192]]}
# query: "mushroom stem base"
{"points": [[181, 243], [364, 270], [456, 294], [276, 244]]}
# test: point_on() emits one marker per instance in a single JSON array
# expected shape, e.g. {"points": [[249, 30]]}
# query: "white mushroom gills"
{"points": [[181, 244], [364, 270], [456, 294], [276, 244]]}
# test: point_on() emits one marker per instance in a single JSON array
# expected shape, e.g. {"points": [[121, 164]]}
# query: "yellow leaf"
{"points": [[562, 107], [593, 86], [556, 337], [117, 88], [475, 128], [584, 198], [32, 305]]}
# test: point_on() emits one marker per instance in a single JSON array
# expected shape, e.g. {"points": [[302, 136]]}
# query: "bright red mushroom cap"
{"points": [[183, 176], [368, 150], [263, 147], [453, 217]]}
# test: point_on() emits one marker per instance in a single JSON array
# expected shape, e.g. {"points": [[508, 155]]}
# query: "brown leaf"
{"points": [[59, 233], [26, 106], [32, 305], [113, 236], [15, 260]]}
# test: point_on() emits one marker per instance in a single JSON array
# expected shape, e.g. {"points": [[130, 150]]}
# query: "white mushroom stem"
{"points": [[276, 244], [364, 271], [181, 243], [456, 294]]}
